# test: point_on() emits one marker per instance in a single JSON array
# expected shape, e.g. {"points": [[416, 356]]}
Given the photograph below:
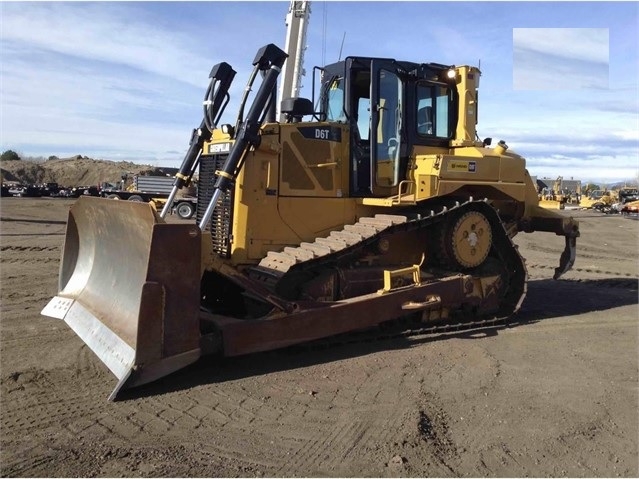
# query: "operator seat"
{"points": [[424, 121]]}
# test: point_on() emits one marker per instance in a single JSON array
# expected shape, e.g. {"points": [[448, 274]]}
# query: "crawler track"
{"points": [[287, 271], [407, 328]]}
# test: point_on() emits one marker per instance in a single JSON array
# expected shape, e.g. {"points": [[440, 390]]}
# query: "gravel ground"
{"points": [[552, 394]]}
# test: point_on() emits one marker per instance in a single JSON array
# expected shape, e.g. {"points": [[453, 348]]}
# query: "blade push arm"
{"points": [[269, 59]]}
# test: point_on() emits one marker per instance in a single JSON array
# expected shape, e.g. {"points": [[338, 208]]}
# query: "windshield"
{"points": [[335, 107]]}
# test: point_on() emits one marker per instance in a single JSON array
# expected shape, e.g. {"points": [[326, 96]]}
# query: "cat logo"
{"points": [[217, 148], [462, 166]]}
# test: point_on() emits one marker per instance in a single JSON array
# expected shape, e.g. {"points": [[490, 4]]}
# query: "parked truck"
{"points": [[143, 188], [155, 189]]}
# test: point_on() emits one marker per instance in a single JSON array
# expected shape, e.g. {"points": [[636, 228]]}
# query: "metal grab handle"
{"points": [[333, 164]]}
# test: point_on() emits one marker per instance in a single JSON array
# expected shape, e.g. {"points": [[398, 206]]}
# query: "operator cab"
{"points": [[390, 106]]}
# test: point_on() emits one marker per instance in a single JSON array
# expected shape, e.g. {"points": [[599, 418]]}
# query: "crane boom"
{"points": [[299, 13]]}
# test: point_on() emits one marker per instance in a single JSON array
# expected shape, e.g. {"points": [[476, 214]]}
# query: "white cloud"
{"points": [[596, 168], [101, 32], [68, 87], [585, 143], [560, 58], [550, 73], [74, 107], [86, 78], [587, 44], [628, 133], [78, 134], [591, 162]]}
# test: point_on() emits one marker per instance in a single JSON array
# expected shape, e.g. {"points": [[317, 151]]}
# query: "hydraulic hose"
{"points": [[215, 101]]}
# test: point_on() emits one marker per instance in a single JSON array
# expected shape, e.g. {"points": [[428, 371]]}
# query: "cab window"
{"points": [[335, 110], [433, 111], [388, 128]]}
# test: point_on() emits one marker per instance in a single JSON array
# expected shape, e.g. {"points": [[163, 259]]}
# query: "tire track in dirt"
{"points": [[210, 416], [321, 453], [497, 458], [87, 366], [16, 298], [260, 406], [544, 328], [9, 338], [584, 270], [162, 417], [60, 398], [33, 257], [25, 464], [370, 416], [576, 446], [32, 260], [30, 248], [36, 402], [201, 411]]}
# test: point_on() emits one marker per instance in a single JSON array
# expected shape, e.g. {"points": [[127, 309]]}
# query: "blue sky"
{"points": [[125, 80]]}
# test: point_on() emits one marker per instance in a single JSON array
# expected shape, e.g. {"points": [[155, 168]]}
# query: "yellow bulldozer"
{"points": [[374, 201], [554, 198], [598, 199]]}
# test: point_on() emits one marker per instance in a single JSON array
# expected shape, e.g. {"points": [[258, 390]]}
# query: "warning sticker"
{"points": [[462, 166]]}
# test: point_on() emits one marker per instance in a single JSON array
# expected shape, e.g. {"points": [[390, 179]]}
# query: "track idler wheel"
{"points": [[466, 240]]}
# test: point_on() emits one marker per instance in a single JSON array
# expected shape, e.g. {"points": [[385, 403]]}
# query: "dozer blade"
{"points": [[129, 287]]}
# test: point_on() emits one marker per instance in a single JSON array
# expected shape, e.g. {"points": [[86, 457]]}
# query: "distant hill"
{"points": [[75, 171], [621, 184]]}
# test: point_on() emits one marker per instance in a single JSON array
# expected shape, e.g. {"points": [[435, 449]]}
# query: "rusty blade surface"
{"points": [[129, 287]]}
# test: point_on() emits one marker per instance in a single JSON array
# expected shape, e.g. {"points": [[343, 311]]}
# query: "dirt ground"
{"points": [[553, 394]]}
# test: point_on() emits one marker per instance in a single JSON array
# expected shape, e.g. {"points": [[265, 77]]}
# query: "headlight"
{"points": [[228, 130]]}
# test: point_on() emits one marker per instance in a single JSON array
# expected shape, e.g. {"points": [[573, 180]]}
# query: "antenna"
{"points": [[341, 46]]}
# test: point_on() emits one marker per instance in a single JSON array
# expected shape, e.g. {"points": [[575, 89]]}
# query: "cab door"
{"points": [[386, 114]]}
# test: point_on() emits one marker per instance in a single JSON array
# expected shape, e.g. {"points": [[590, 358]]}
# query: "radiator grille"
{"points": [[221, 223]]}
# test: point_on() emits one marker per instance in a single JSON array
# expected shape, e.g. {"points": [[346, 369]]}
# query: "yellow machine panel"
{"points": [[314, 160]]}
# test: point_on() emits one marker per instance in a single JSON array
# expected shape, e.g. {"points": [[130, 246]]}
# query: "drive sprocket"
{"points": [[467, 239]]}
